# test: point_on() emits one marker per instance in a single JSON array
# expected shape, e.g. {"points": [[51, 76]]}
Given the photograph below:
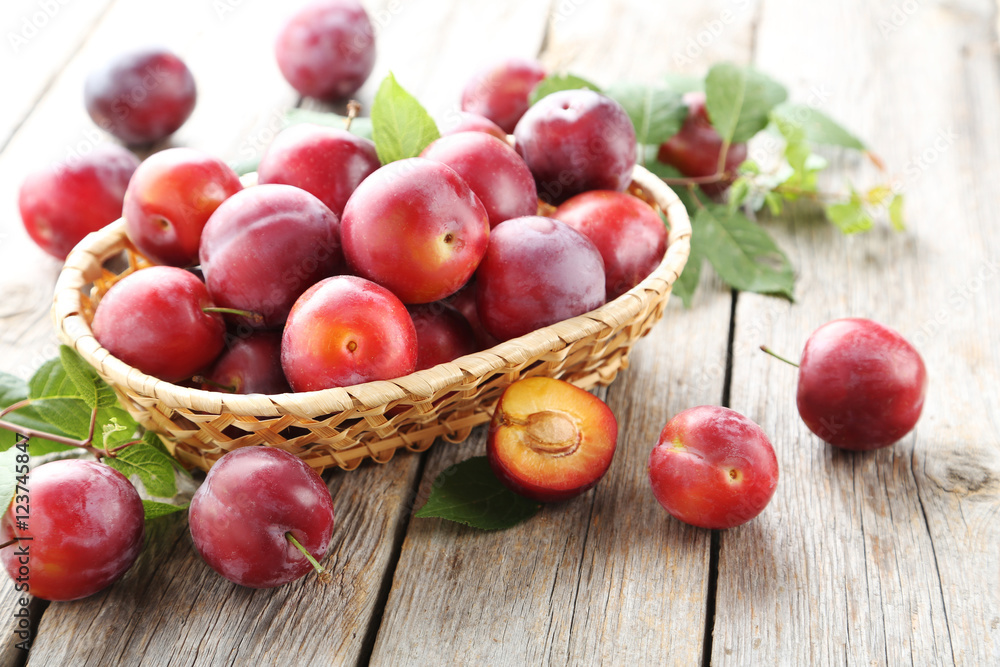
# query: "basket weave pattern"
{"points": [[343, 426]]}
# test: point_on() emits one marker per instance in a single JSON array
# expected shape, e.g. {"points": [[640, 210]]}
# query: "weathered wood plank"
{"points": [[886, 557], [39, 37], [607, 576]]}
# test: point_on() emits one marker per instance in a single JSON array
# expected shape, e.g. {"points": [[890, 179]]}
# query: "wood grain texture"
{"points": [[606, 577], [887, 557], [38, 40]]}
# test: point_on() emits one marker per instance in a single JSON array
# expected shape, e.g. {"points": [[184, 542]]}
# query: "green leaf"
{"points": [[8, 476], [656, 112], [742, 253], [154, 510], [153, 440], [153, 468], [896, 216], [739, 100], [556, 82], [401, 127], [851, 216], [815, 125], [13, 390], [91, 388], [685, 286], [684, 83], [360, 126], [58, 402], [469, 493]]}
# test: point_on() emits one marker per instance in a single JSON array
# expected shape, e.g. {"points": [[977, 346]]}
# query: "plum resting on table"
{"points": [[141, 96], [85, 529], [713, 468], [861, 384], [253, 500], [61, 204], [327, 49]]}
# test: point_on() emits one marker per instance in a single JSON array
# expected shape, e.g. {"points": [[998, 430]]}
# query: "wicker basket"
{"points": [[343, 426]]}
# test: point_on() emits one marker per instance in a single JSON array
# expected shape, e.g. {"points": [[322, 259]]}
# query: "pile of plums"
{"points": [[337, 270]]}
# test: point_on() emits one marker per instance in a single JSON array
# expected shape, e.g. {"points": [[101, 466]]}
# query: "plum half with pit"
{"points": [[537, 271], [574, 141], [550, 440]]}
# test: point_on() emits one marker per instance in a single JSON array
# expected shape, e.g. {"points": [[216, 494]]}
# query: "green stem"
{"points": [[291, 538], [765, 348]]}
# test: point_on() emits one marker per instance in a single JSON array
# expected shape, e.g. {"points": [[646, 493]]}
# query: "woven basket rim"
{"points": [[84, 265]]}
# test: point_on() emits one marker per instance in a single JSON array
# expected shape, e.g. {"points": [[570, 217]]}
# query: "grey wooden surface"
{"points": [[889, 557]]}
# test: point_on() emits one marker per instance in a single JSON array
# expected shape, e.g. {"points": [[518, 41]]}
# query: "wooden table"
{"points": [[889, 557]]}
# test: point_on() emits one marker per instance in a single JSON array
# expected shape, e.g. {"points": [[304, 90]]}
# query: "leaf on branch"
{"points": [[742, 253], [556, 82], [814, 125], [401, 126], [684, 287], [469, 493], [739, 100], [657, 113], [896, 216], [851, 216], [152, 467]]}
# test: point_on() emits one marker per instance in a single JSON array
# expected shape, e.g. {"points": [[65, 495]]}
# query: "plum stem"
{"points": [[353, 109], [201, 379], [255, 318], [320, 570], [765, 348]]}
